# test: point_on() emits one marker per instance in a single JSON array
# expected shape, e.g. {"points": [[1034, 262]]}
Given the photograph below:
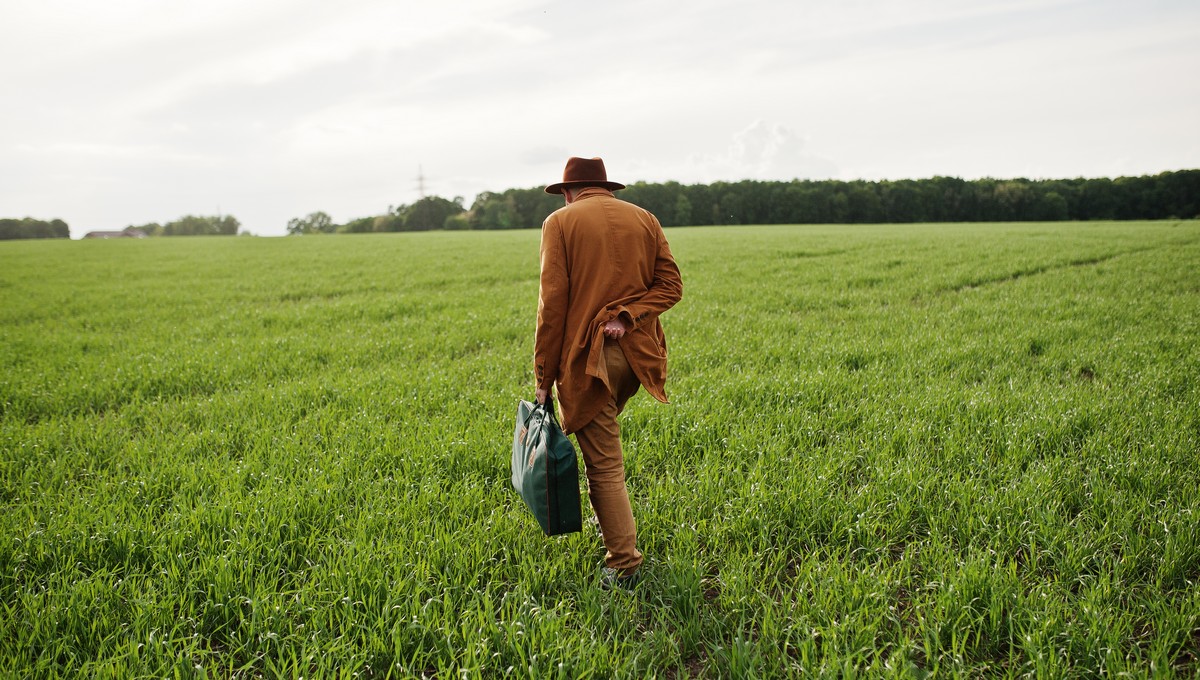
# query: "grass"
{"points": [[951, 450]]}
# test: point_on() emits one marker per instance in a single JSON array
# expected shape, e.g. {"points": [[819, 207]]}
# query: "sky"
{"points": [[127, 112]]}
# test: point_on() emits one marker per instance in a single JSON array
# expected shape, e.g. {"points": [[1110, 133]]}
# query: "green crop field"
{"points": [[955, 450]]}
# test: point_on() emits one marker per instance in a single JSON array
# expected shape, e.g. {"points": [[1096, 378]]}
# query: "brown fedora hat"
{"points": [[584, 172]]}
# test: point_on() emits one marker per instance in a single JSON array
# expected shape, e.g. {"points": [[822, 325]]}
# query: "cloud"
{"points": [[776, 152], [543, 155], [764, 151]]}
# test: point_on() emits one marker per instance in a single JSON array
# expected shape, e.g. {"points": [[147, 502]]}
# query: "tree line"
{"points": [[427, 214], [1169, 195], [188, 225], [193, 225], [27, 227]]}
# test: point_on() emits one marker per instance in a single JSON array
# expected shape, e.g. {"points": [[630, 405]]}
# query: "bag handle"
{"points": [[549, 407]]}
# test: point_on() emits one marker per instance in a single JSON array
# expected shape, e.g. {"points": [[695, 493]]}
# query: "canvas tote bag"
{"points": [[545, 470]]}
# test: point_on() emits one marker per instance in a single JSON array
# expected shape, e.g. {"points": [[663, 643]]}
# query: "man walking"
{"points": [[606, 275]]}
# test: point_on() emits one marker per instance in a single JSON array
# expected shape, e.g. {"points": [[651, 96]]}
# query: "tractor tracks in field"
{"points": [[1025, 272], [984, 280], [988, 280]]}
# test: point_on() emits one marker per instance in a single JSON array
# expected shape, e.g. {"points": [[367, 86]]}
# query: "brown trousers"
{"points": [[604, 464]]}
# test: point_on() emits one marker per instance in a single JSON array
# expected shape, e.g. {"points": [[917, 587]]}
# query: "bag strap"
{"points": [[549, 408]]}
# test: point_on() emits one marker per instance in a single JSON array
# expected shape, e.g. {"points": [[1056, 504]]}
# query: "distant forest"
{"points": [[1169, 195], [190, 225], [30, 228]]}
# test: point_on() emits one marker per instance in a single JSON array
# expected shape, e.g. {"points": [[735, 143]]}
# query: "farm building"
{"points": [[127, 232]]}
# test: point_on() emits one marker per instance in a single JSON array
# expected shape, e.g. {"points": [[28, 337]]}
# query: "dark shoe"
{"points": [[611, 579]]}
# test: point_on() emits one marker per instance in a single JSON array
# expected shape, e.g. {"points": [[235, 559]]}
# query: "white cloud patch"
{"points": [[773, 151], [763, 151]]}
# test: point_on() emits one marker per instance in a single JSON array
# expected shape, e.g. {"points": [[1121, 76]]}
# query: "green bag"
{"points": [[545, 470]]}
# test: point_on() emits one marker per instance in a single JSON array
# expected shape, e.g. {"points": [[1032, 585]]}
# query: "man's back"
{"points": [[611, 247], [602, 259]]}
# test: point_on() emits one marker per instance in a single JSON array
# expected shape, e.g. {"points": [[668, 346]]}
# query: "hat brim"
{"points": [[557, 188]]}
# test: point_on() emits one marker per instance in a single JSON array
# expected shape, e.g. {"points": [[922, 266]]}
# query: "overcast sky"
{"points": [[132, 111]]}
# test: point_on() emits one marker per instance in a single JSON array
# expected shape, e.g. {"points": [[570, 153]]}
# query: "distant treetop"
{"points": [[28, 227]]}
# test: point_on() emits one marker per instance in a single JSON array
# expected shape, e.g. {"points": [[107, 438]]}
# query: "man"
{"points": [[606, 275]]}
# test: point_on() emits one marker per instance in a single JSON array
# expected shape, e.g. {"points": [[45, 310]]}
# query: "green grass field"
{"points": [[892, 451]]}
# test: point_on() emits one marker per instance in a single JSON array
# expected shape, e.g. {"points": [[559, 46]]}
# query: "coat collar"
{"points": [[588, 192]]}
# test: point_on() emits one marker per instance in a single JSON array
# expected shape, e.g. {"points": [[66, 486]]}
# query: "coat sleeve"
{"points": [[552, 305], [665, 290]]}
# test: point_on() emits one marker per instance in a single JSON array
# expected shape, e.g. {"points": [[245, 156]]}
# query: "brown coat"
{"points": [[601, 258]]}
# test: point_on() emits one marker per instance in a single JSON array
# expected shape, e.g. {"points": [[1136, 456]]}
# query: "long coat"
{"points": [[601, 259]]}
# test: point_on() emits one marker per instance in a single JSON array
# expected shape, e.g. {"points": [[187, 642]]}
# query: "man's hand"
{"points": [[540, 395], [615, 329]]}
